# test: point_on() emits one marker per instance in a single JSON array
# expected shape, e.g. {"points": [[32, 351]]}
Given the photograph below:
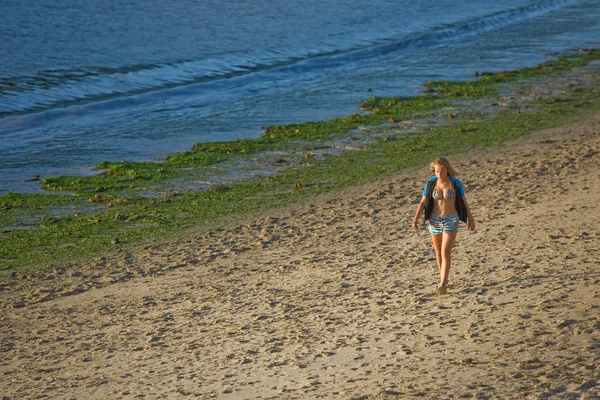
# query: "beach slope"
{"points": [[334, 298]]}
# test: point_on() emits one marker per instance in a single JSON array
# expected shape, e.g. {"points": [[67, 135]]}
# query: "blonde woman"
{"points": [[444, 205]]}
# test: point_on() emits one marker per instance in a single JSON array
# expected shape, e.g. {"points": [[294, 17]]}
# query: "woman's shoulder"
{"points": [[458, 184]]}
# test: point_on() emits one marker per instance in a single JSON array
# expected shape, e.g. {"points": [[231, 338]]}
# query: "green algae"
{"points": [[488, 83], [44, 230]]}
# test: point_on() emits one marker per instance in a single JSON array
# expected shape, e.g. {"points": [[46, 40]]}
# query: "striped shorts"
{"points": [[438, 224]]}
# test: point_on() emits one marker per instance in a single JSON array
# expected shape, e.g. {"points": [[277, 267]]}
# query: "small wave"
{"points": [[61, 88], [442, 36]]}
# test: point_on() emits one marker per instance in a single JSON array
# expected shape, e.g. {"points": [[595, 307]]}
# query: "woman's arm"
{"points": [[420, 209], [470, 220]]}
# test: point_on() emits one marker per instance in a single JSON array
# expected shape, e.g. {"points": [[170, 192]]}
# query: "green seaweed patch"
{"points": [[311, 130], [88, 184], [488, 82], [475, 89], [132, 170], [29, 202], [403, 107], [109, 200], [18, 209], [117, 177], [26, 203], [57, 240], [377, 111], [196, 158], [209, 153], [243, 146]]}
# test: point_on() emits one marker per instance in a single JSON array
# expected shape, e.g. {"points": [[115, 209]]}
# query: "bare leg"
{"points": [[448, 239], [437, 246]]}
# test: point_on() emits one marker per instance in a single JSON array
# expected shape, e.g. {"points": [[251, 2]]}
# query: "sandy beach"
{"points": [[334, 298]]}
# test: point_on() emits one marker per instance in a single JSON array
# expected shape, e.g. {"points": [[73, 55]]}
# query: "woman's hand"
{"points": [[471, 225], [420, 209]]}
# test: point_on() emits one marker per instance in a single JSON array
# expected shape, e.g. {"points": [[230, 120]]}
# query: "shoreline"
{"points": [[333, 297], [127, 206]]}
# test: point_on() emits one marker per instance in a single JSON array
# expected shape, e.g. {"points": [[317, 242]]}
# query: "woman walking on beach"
{"points": [[443, 204]]}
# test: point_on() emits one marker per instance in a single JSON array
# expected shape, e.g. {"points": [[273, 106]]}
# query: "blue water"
{"points": [[82, 82]]}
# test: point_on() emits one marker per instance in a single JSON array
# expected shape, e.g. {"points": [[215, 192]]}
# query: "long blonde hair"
{"points": [[442, 162]]}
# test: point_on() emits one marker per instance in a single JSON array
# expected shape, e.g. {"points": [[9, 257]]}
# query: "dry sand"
{"points": [[334, 298]]}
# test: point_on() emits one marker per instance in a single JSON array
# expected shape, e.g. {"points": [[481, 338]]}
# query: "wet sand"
{"points": [[334, 298]]}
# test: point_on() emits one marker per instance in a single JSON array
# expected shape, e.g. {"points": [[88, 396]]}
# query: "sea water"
{"points": [[87, 81]]}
